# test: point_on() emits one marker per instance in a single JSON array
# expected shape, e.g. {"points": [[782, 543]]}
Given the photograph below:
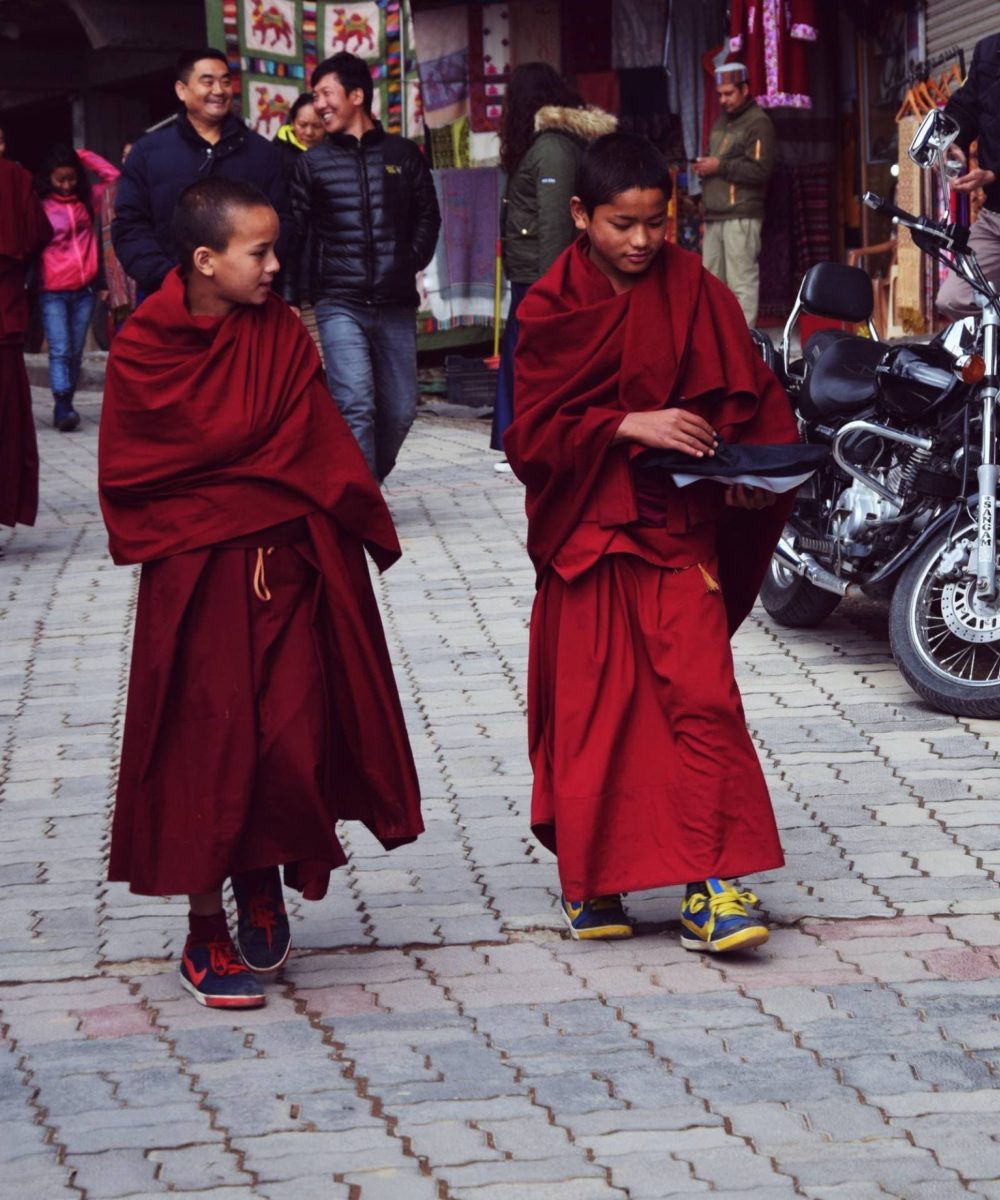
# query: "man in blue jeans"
{"points": [[365, 221]]}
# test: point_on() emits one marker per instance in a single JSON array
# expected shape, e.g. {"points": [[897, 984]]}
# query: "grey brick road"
{"points": [[434, 1035]]}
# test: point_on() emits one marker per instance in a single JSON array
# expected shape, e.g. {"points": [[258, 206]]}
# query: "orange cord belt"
{"points": [[260, 588]]}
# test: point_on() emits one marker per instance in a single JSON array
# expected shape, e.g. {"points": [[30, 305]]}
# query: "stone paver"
{"points": [[434, 1035]]}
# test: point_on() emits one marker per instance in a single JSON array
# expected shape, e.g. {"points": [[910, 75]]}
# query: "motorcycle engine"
{"points": [[860, 510]]}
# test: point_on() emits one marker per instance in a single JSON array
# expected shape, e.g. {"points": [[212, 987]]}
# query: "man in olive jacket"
{"points": [[365, 220], [735, 173]]}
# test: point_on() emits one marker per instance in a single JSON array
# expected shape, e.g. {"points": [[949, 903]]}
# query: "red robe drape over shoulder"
{"points": [[586, 357], [644, 773], [209, 434], [24, 230]]}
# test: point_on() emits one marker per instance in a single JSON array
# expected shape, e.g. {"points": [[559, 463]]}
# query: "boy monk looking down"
{"points": [[261, 705], [645, 774]]}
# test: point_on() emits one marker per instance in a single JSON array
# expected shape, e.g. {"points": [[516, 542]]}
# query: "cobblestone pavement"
{"points": [[435, 1035]]}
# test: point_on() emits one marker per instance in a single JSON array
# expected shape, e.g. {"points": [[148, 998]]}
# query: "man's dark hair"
{"points": [[353, 72], [187, 60], [205, 215], [616, 163]]}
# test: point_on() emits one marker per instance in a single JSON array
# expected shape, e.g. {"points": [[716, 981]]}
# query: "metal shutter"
{"points": [[961, 22]]}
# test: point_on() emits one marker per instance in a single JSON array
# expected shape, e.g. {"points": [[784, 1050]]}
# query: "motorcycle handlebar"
{"points": [[929, 235], [883, 206]]}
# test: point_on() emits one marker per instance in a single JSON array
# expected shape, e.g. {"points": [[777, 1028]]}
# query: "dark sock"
{"points": [[202, 931], [694, 889]]}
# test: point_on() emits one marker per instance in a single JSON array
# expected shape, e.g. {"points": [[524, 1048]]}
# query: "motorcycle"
{"points": [[906, 504]]}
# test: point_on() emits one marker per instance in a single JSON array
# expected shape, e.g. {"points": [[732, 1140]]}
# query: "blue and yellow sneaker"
{"points": [[717, 920], [600, 917]]}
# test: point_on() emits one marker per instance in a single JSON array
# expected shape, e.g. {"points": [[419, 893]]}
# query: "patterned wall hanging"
{"points": [[274, 45], [271, 30], [489, 64], [442, 47]]}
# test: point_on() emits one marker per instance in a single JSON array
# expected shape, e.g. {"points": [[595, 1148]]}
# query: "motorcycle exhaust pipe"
{"points": [[806, 566]]}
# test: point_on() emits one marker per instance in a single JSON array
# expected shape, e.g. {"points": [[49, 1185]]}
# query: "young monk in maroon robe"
{"points": [[24, 230], [644, 772], [262, 707]]}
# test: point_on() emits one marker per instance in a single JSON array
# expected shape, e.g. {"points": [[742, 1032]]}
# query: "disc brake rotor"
{"points": [[968, 617]]}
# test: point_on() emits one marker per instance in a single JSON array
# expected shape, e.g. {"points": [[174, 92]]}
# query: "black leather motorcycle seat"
{"points": [[842, 380], [820, 342]]}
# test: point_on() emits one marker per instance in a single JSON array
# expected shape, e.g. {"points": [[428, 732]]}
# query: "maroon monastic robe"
{"points": [[644, 772], [24, 230], [262, 706]]}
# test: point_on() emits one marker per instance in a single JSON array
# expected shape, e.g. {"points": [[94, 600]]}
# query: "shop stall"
{"points": [[832, 77]]}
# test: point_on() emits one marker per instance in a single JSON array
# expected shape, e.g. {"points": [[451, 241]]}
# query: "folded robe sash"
{"points": [[208, 435], [587, 356]]}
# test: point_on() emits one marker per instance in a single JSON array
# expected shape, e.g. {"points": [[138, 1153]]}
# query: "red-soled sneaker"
{"points": [[216, 976]]}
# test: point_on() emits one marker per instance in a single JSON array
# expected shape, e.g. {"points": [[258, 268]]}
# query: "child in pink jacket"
{"points": [[70, 272]]}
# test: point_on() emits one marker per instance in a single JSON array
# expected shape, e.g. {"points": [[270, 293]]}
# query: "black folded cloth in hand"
{"points": [[732, 461]]}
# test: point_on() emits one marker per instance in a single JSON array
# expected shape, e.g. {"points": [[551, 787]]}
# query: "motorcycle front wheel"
{"points": [[793, 601], [945, 640]]}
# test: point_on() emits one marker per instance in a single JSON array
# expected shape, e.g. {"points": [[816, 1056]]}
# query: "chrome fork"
{"points": [[986, 569]]}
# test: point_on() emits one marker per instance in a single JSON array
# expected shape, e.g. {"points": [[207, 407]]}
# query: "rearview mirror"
{"points": [[936, 133]]}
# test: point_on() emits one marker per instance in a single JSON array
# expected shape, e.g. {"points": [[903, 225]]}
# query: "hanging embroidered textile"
{"points": [[489, 64], [442, 48], [536, 32], [274, 45], [638, 33], [770, 37], [457, 288]]}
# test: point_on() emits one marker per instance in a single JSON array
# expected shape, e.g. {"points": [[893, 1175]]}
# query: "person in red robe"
{"points": [[24, 230], [261, 706], [644, 773]]}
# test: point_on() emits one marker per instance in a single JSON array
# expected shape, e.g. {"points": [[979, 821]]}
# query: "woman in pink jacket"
{"points": [[70, 274]]}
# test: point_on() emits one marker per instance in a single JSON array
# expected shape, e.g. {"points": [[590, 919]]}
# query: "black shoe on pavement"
{"points": [[65, 418], [263, 936]]}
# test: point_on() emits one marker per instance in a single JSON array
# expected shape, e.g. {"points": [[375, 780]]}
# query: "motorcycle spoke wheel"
{"points": [[957, 634], [945, 639]]}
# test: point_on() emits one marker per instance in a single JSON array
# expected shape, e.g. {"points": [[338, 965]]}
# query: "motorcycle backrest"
{"points": [[833, 290]]}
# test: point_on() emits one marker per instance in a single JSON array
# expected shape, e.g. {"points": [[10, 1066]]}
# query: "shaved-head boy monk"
{"points": [[261, 704], [644, 772]]}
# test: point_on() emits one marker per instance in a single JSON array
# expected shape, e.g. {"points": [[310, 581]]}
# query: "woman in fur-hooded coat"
{"points": [[543, 132]]}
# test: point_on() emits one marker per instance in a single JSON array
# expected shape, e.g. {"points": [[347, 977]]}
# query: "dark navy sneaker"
{"points": [[717, 920], [65, 418], [263, 936], [599, 917], [217, 978]]}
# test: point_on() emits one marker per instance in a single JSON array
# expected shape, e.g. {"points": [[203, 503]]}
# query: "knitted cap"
{"points": [[731, 73]]}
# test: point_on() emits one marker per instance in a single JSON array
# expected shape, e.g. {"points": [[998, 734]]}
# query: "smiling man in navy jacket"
{"points": [[365, 220], [204, 139]]}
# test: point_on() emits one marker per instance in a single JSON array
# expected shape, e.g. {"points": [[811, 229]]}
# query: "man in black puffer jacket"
{"points": [[204, 139], [365, 221]]}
